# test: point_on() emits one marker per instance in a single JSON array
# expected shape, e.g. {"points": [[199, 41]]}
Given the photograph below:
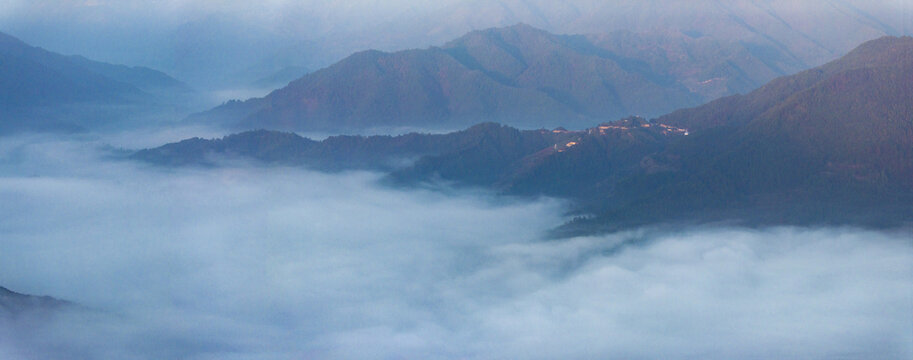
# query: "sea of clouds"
{"points": [[253, 262]]}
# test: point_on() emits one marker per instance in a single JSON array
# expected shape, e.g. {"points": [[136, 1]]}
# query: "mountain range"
{"points": [[42, 90], [812, 32], [233, 44], [830, 144], [518, 75]]}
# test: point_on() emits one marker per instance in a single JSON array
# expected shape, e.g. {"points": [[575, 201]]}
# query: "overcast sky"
{"points": [[43, 20]]}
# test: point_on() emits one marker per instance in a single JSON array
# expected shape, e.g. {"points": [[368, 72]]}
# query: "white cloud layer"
{"points": [[276, 263]]}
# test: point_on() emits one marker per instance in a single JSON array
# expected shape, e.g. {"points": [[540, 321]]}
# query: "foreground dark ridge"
{"points": [[832, 145], [504, 151]]}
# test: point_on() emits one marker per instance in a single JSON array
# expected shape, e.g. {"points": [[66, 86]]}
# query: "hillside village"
{"points": [[618, 126]]}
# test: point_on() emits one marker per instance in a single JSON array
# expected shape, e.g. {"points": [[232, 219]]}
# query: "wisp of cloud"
{"points": [[253, 262]]}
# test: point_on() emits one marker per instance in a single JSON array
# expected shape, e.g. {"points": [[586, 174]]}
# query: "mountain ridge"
{"points": [[12, 304], [828, 145], [518, 75], [42, 90]]}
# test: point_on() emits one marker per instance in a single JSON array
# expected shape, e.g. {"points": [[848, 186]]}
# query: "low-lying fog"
{"points": [[280, 263]]}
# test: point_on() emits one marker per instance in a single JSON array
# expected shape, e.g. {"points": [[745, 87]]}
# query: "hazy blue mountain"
{"points": [[517, 75], [41, 90], [221, 50], [195, 42], [281, 78], [151, 81], [35, 76], [12, 304], [811, 32]]}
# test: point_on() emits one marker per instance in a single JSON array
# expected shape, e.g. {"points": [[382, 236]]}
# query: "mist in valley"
{"points": [[246, 260], [259, 262]]}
